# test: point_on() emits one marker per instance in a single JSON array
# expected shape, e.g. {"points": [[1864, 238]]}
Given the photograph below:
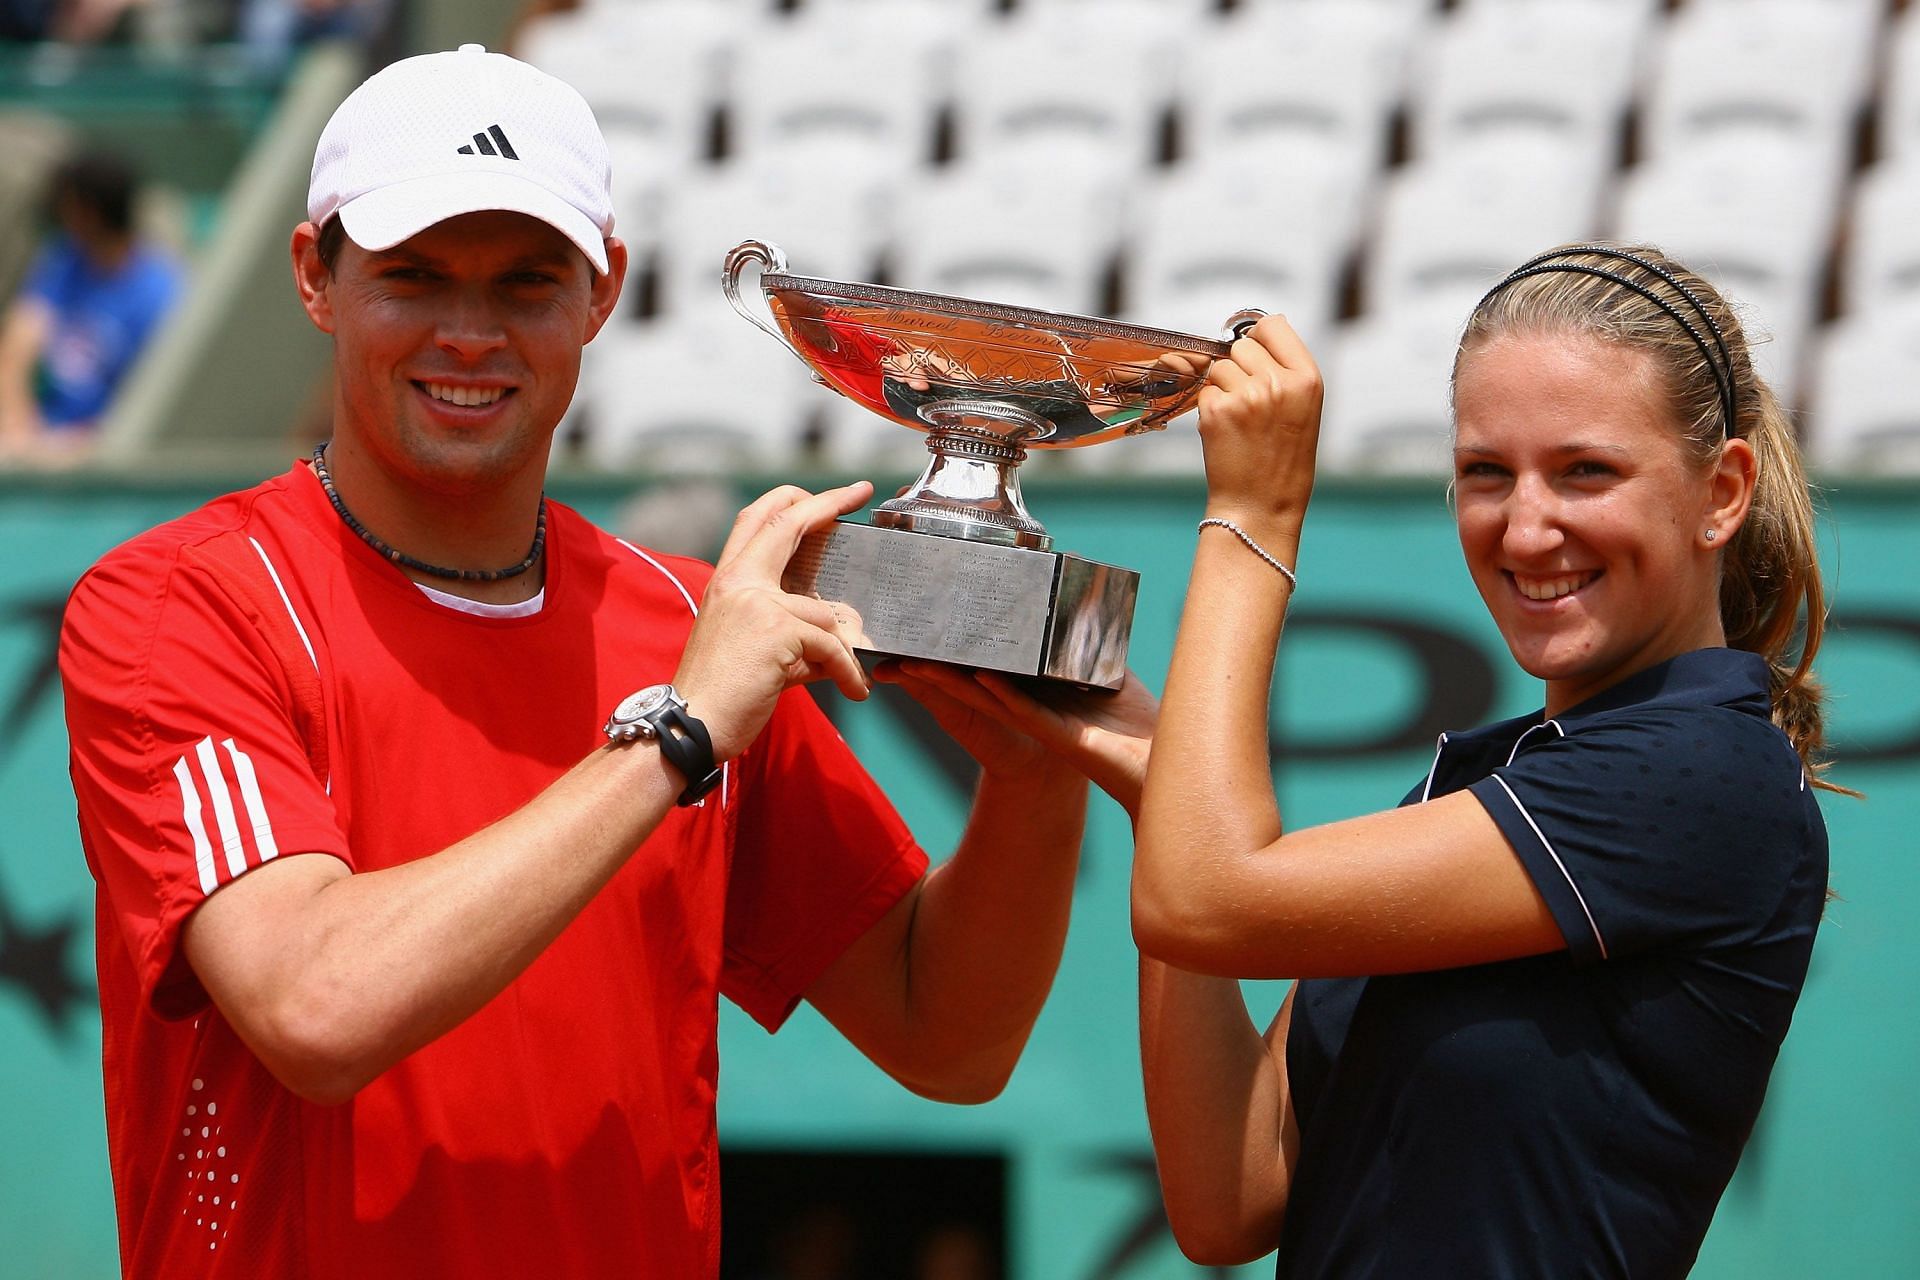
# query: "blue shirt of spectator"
{"points": [[1579, 1113], [99, 322]]}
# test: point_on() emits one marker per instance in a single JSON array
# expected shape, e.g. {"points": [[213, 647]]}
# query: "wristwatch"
{"points": [[658, 713]]}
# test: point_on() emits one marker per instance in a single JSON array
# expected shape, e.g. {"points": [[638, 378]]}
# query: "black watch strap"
{"points": [[688, 747]]}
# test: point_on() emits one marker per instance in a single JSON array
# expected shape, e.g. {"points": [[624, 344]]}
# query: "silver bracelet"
{"points": [[1293, 583]]}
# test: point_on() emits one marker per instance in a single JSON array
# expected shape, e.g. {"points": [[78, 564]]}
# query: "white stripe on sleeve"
{"points": [[1545, 844], [190, 811], [222, 807], [256, 803]]}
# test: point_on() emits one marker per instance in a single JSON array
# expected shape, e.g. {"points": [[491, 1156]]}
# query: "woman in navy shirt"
{"points": [[1543, 997], [1538, 1002]]}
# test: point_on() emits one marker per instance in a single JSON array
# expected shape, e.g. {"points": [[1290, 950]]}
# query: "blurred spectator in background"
{"points": [[92, 299], [272, 29], [73, 21], [26, 19]]}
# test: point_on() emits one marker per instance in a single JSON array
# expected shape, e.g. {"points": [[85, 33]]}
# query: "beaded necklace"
{"points": [[420, 566]]}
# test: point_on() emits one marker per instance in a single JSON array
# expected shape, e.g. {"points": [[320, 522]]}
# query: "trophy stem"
{"points": [[971, 486]]}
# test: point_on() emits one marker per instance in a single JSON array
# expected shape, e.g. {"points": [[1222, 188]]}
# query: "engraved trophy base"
{"points": [[1032, 613]]}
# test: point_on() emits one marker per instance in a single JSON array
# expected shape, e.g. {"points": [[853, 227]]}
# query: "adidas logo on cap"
{"points": [[488, 148]]}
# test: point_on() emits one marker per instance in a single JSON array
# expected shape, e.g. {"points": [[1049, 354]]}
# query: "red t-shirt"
{"points": [[252, 681]]}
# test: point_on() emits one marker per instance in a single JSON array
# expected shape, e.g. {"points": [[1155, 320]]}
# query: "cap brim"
{"points": [[382, 218]]}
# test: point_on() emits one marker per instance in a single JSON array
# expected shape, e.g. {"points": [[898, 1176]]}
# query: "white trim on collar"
{"points": [[1426, 792], [1521, 740], [482, 608]]}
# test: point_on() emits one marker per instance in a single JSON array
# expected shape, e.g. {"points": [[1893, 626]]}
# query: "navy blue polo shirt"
{"points": [[1579, 1113]]}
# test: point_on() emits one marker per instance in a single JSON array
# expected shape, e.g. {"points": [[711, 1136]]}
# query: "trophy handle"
{"points": [[1234, 329], [739, 258]]}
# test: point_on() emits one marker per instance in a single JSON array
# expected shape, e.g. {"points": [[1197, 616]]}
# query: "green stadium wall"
{"points": [[1386, 645]]}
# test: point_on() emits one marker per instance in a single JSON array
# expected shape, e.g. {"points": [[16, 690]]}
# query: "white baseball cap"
{"points": [[442, 134]]}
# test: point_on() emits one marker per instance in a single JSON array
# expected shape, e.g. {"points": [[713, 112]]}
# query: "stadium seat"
{"points": [[1452, 227], [1864, 406], [1210, 240], [1388, 397], [825, 228], [642, 176], [1899, 114], [1173, 16], [652, 71], [851, 93], [1498, 75], [1057, 91], [693, 398], [1760, 234], [956, 16], [1855, 24], [1410, 13], [1297, 88], [1778, 80], [1612, 10], [1880, 270], [1007, 235]]}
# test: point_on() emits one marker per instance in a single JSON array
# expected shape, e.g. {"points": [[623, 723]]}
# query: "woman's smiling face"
{"points": [[1580, 514]]}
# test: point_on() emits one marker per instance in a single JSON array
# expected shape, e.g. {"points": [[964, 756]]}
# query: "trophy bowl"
{"points": [[956, 568]]}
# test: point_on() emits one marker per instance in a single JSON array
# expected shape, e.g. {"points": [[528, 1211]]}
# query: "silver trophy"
{"points": [[956, 569]]}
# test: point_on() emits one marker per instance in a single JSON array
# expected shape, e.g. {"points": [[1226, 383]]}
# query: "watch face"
{"points": [[645, 702]]}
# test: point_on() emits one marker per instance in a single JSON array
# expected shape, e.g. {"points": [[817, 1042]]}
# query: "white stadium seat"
{"points": [[1388, 397], [1778, 82], [1880, 272], [694, 399], [1899, 117], [653, 71], [1007, 236], [1612, 10], [853, 94], [1450, 228], [1297, 88], [1864, 408], [1058, 90], [1499, 76], [1410, 14], [1855, 26], [825, 228], [1759, 234], [1210, 240], [1172, 16]]}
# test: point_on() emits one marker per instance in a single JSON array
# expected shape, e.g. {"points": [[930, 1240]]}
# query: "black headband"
{"points": [[1722, 368]]}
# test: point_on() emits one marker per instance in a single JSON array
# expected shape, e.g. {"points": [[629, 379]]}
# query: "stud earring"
{"points": [[1712, 534]]}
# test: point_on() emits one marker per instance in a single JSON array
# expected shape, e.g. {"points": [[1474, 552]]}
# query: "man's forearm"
{"points": [[367, 968]]}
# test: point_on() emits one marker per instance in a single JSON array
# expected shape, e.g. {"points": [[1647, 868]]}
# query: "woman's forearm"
{"points": [[1209, 800], [1217, 1104]]}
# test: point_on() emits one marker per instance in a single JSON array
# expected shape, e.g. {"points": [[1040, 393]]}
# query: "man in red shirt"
{"points": [[409, 952]]}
